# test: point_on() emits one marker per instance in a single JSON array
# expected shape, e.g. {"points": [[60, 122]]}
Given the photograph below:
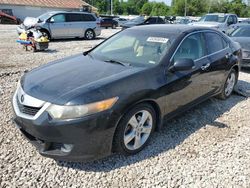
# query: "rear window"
{"points": [[215, 42], [80, 17], [88, 17]]}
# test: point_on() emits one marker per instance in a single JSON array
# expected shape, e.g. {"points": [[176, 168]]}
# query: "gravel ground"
{"points": [[209, 146]]}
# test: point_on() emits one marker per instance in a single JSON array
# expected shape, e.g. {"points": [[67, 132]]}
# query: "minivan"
{"points": [[63, 24]]}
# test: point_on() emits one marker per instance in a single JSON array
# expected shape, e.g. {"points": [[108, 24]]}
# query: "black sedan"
{"points": [[242, 36], [113, 97]]}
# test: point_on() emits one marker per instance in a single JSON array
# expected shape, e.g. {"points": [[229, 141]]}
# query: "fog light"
{"points": [[66, 148]]}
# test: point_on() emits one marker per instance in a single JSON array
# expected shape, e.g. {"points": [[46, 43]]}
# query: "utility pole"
{"points": [[111, 7], [185, 8]]}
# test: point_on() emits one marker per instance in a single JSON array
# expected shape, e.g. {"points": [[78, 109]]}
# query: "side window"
{"points": [[193, 47], [58, 18], [88, 17], [74, 17], [230, 20], [215, 43], [235, 19]]}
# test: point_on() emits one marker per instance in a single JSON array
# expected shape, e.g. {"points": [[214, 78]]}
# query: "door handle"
{"points": [[205, 67]]}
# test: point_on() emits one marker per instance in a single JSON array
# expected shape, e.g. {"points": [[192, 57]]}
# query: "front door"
{"points": [[58, 26], [186, 87]]}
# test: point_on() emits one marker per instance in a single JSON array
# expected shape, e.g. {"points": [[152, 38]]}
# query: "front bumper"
{"points": [[86, 139], [20, 29]]}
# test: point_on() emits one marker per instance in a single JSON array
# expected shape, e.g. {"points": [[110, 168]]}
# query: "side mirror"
{"points": [[183, 64]]}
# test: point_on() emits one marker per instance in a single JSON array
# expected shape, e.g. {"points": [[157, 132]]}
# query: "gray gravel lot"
{"points": [[209, 146]]}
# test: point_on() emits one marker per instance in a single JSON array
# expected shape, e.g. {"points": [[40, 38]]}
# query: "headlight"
{"points": [[71, 112], [246, 54]]}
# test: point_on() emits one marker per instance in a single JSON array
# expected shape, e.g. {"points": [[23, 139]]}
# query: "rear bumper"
{"points": [[84, 139], [98, 31], [245, 63]]}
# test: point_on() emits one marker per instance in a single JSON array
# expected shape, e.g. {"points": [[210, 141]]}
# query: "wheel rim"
{"points": [[138, 130], [230, 84], [89, 34]]}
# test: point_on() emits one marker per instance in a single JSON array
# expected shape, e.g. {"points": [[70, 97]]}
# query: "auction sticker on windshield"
{"points": [[157, 39]]}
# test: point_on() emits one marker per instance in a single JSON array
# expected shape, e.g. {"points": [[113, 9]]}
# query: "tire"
{"points": [[113, 26], [89, 34], [45, 33], [229, 85], [130, 139]]}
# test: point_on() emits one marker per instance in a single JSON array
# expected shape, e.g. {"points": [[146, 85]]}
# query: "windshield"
{"points": [[138, 19], [213, 18], [241, 32], [45, 16], [135, 48]]}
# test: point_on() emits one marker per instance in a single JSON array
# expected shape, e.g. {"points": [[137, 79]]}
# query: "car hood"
{"points": [[62, 81], [244, 42], [30, 21], [206, 24]]}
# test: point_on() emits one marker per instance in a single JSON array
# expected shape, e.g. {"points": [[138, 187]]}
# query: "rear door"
{"points": [[58, 27], [219, 54], [75, 24]]}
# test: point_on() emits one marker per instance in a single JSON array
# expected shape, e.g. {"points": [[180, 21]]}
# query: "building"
{"points": [[34, 8]]}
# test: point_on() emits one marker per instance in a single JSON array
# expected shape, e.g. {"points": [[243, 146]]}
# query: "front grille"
{"points": [[29, 110]]}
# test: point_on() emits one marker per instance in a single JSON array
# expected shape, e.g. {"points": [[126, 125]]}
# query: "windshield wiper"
{"points": [[117, 62]]}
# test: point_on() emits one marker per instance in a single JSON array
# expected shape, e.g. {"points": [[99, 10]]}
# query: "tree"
{"points": [[159, 9], [194, 7], [147, 8]]}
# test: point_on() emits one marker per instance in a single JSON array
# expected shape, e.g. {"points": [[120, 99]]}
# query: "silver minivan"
{"points": [[62, 24]]}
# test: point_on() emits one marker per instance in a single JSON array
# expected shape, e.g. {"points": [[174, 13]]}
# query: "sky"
{"points": [[168, 2]]}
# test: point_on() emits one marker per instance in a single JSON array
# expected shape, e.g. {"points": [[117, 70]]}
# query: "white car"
{"points": [[219, 21], [120, 21]]}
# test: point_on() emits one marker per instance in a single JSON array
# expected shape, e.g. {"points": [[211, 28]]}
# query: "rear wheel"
{"points": [[229, 85], [135, 129], [113, 26], [89, 34]]}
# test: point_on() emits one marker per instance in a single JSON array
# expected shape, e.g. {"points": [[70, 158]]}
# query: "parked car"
{"points": [[183, 20], [217, 20], [121, 21], [245, 21], [242, 36], [63, 24], [148, 21], [114, 96], [8, 19], [109, 22]]}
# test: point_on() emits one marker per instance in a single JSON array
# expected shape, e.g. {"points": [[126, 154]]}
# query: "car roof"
{"points": [[171, 28], [222, 14], [73, 12]]}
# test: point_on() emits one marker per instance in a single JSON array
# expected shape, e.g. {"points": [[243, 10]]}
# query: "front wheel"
{"points": [[89, 34], [229, 85], [135, 129]]}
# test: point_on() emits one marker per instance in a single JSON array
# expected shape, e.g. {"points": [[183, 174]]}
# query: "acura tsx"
{"points": [[112, 98]]}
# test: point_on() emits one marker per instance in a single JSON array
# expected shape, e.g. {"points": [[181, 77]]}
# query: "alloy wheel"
{"points": [[138, 130], [230, 83]]}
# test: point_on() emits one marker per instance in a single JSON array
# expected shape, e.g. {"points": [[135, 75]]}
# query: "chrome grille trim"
{"points": [[33, 107]]}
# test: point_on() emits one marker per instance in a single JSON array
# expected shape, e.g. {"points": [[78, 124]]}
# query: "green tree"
{"points": [[147, 8], [194, 7], [159, 9]]}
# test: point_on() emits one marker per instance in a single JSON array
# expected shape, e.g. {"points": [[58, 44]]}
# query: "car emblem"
{"points": [[22, 98]]}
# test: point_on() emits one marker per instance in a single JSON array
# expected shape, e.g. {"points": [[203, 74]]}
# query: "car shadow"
{"points": [[76, 39]]}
